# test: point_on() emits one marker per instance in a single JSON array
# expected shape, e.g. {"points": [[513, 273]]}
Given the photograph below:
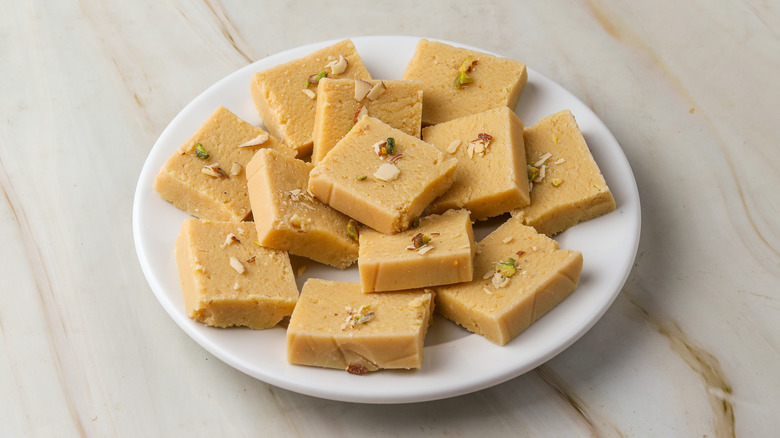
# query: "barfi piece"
{"points": [[341, 102], [520, 276], [491, 177], [567, 185], [285, 94], [335, 325], [458, 82], [288, 218], [228, 280], [439, 251], [383, 189], [204, 177]]}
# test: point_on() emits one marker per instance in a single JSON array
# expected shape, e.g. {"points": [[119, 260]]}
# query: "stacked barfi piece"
{"points": [[390, 174]]}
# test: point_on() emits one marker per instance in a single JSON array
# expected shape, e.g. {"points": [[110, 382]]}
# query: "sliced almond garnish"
{"points": [[387, 172], [260, 139], [213, 170], [361, 112], [453, 147], [507, 239], [376, 91], [236, 264], [236, 169], [309, 93], [337, 66], [230, 238], [543, 159], [362, 88], [425, 249]]}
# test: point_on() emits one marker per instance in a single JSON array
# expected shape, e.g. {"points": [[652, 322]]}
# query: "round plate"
{"points": [[455, 361]]}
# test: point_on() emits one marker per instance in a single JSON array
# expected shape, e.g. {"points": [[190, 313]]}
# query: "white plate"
{"points": [[456, 362]]}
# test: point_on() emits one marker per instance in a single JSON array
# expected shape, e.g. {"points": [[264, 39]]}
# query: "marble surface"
{"points": [[690, 348]]}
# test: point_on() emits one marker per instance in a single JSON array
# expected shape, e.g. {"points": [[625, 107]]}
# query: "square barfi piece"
{"points": [[383, 188], [228, 280], [341, 102], [491, 177], [438, 251], [335, 325], [204, 177], [458, 82], [567, 186], [519, 276], [287, 217], [285, 95]]}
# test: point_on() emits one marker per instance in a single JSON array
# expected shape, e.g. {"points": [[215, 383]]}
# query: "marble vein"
{"points": [[43, 287], [703, 363], [228, 30], [578, 407], [621, 32]]}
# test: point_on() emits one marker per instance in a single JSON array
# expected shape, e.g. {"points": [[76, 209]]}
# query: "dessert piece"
{"points": [[566, 184], [287, 217], [519, 276], [491, 177], [458, 82], [229, 280], [335, 325], [341, 102], [204, 177], [439, 251], [381, 176], [285, 94]]}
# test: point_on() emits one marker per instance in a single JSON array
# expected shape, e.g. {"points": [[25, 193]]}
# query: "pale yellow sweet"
{"points": [[397, 103], [220, 193], [278, 92], [499, 307], [384, 192], [409, 260], [335, 325], [496, 81], [569, 187], [228, 280], [288, 218], [491, 177]]}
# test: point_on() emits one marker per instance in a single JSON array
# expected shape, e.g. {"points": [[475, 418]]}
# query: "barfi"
{"points": [[228, 280], [335, 325], [567, 186], [288, 218], [285, 95], [519, 276], [381, 176], [438, 251], [458, 82], [341, 102], [491, 177], [204, 177]]}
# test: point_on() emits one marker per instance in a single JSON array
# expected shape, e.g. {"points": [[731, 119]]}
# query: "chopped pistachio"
{"points": [[556, 182], [201, 152], [465, 68], [314, 79], [352, 230], [390, 146], [533, 172], [506, 268], [416, 222], [419, 240], [361, 177]]}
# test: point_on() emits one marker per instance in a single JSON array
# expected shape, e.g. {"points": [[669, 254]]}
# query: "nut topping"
{"points": [[257, 141]]}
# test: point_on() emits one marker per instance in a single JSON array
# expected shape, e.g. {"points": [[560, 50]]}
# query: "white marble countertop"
{"points": [[690, 348]]}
